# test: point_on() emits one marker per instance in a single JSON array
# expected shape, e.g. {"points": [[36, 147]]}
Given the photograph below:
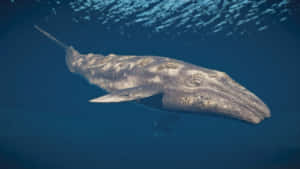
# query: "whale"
{"points": [[174, 85]]}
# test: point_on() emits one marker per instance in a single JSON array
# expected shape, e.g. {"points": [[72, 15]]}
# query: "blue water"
{"points": [[46, 121]]}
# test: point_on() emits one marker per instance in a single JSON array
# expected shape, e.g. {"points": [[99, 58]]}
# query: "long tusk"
{"points": [[51, 37]]}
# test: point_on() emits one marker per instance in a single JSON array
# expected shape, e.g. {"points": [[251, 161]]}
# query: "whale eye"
{"points": [[195, 80]]}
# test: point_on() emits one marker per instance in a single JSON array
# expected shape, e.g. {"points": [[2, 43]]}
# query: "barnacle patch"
{"points": [[186, 100]]}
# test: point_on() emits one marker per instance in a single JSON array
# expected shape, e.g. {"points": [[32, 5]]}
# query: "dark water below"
{"points": [[47, 123]]}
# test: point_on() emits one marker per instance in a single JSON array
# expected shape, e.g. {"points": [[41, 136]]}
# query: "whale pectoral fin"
{"points": [[126, 95]]}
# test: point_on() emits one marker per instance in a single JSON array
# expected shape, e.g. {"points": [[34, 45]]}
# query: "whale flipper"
{"points": [[126, 95]]}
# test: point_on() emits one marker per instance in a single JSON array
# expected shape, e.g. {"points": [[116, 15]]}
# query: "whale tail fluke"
{"points": [[61, 44]]}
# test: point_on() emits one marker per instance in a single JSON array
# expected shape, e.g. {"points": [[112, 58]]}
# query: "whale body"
{"points": [[183, 87]]}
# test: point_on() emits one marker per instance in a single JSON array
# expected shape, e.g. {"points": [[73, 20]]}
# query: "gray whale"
{"points": [[184, 87]]}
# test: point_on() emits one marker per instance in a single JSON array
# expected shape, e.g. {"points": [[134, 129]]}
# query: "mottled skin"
{"points": [[185, 87]]}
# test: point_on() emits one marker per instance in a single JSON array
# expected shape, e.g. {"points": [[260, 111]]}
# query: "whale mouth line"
{"points": [[233, 104], [245, 98]]}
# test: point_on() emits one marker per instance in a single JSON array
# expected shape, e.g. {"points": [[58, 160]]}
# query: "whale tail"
{"points": [[61, 44]]}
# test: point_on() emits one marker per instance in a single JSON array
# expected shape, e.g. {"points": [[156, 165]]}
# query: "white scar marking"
{"points": [[144, 61], [197, 72], [92, 61], [77, 62], [155, 79], [117, 67], [128, 82], [169, 68], [131, 65], [107, 66], [95, 66], [109, 85], [89, 55], [126, 57], [112, 55], [122, 65]]}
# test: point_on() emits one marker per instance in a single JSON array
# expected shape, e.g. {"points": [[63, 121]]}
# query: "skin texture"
{"points": [[184, 87]]}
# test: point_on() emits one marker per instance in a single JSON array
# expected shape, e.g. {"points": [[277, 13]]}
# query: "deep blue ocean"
{"points": [[46, 121]]}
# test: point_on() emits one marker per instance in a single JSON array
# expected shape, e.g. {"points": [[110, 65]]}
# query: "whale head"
{"points": [[214, 92]]}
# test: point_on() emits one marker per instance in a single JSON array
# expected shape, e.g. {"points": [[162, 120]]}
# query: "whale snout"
{"points": [[218, 93], [251, 108], [247, 101], [258, 110], [229, 97]]}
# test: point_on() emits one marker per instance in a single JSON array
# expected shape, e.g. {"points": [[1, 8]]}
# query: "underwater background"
{"points": [[46, 121]]}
